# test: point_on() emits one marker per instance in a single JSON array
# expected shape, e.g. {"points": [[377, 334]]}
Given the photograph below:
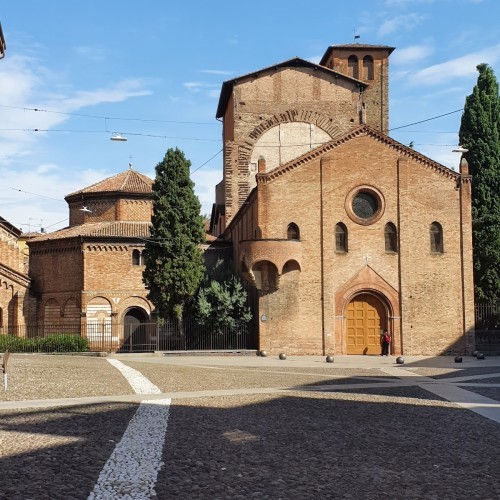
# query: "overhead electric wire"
{"points": [[29, 192], [426, 120], [107, 132], [203, 164], [105, 117]]}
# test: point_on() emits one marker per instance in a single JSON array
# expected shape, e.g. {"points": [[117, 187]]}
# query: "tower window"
{"points": [[353, 67], [138, 258], [368, 68], [391, 238], [436, 234], [292, 232], [341, 238]]}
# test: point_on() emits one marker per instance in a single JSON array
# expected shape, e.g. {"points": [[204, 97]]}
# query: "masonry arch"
{"points": [[99, 325], [51, 313], [366, 315], [266, 276], [137, 331], [71, 311]]}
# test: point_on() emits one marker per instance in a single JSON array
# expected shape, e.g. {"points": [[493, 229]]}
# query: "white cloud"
{"points": [[455, 68], [27, 85], [116, 92], [405, 22], [211, 89], [205, 181], [216, 72], [315, 59], [412, 54], [92, 53], [404, 3]]}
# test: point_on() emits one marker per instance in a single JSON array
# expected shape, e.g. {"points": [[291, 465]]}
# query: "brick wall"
{"points": [[423, 292]]}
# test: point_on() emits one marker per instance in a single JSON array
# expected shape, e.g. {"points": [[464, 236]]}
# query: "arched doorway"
{"points": [[366, 317], [136, 331]]}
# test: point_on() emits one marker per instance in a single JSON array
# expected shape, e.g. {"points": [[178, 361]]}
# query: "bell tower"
{"points": [[369, 64]]}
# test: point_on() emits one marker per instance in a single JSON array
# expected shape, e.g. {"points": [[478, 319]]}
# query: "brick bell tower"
{"points": [[369, 64]]}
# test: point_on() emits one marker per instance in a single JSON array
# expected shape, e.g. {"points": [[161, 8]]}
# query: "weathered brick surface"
{"points": [[86, 272], [426, 301], [305, 290], [15, 302]]}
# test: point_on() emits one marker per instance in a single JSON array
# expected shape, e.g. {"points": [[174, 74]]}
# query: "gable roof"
{"points": [[128, 181], [296, 62], [10, 227], [352, 134], [354, 46], [114, 229]]}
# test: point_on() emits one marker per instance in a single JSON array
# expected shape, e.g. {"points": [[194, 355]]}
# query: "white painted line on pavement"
{"points": [[450, 391], [132, 469], [137, 380]]}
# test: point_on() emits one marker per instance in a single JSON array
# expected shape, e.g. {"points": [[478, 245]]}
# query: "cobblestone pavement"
{"points": [[244, 427]]}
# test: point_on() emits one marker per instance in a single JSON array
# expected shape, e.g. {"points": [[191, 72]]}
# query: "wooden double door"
{"points": [[366, 319]]}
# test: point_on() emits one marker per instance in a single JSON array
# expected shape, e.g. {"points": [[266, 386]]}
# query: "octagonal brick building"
{"points": [[88, 277]]}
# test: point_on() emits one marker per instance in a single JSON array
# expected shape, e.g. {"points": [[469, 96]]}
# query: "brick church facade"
{"points": [[341, 231]]}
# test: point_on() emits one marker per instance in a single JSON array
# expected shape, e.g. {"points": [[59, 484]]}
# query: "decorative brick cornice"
{"points": [[363, 130], [106, 248], [6, 273]]}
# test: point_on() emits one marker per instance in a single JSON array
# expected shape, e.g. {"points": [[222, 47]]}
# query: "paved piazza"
{"points": [[238, 427]]}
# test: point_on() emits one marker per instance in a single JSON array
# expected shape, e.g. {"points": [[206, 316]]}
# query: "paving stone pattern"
{"points": [[286, 431]]}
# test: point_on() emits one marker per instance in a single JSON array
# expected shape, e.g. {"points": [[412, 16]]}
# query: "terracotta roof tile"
{"points": [[128, 181], [98, 229]]}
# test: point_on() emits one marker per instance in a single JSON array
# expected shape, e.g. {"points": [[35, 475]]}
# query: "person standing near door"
{"points": [[386, 342]]}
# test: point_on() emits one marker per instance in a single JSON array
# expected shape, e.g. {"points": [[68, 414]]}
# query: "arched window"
{"points": [[391, 237], [1, 319], [143, 258], [341, 243], [136, 258], [368, 68], [353, 68], [436, 234], [292, 232]]}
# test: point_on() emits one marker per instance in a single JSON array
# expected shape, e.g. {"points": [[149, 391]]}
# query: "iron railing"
{"points": [[171, 335], [488, 328]]}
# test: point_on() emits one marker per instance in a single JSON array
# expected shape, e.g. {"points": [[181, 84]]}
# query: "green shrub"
{"points": [[53, 343]]}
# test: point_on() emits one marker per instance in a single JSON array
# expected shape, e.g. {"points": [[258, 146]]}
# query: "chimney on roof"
{"points": [[261, 165]]}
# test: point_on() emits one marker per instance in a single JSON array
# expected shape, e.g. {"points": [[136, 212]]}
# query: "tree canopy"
{"points": [[174, 263], [480, 134], [221, 300]]}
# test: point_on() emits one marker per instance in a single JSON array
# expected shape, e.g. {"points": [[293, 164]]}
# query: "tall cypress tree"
{"points": [[174, 260], [480, 134]]}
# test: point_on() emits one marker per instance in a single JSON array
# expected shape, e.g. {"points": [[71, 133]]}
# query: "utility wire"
{"points": [[29, 192], [172, 121], [203, 164], [107, 132], [427, 120], [106, 117]]}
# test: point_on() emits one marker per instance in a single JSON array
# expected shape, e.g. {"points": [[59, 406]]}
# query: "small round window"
{"points": [[364, 205]]}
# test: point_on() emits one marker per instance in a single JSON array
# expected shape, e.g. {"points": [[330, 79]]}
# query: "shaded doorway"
{"points": [[366, 319], [136, 331]]}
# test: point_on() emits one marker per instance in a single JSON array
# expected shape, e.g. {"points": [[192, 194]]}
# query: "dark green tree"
{"points": [[174, 263], [480, 134], [221, 300]]}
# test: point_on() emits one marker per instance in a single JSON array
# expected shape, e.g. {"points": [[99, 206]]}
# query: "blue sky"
{"points": [[152, 71]]}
